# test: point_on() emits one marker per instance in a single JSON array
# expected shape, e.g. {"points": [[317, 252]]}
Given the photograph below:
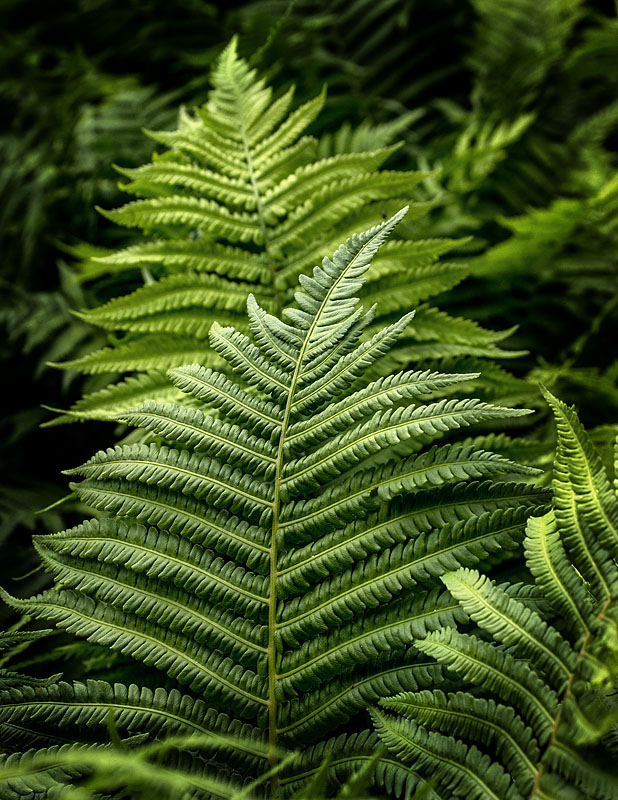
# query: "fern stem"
{"points": [[254, 187], [272, 621], [272, 594], [256, 194], [272, 597]]}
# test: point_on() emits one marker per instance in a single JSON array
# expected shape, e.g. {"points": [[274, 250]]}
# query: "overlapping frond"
{"points": [[279, 558], [242, 202], [173, 767], [55, 736], [543, 705]]}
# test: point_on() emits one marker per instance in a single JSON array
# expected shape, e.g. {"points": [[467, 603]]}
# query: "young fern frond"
{"points": [[544, 706], [279, 559], [241, 202]]}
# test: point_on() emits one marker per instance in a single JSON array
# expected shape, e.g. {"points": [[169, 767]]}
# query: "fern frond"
{"points": [[497, 727], [45, 773], [502, 617], [240, 203], [463, 771], [280, 557], [335, 759], [543, 706], [63, 709], [518, 43], [581, 481], [114, 400]]}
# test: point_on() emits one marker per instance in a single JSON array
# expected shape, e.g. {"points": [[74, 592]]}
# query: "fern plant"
{"points": [[528, 118], [564, 257], [239, 204], [542, 722], [277, 558], [168, 769]]}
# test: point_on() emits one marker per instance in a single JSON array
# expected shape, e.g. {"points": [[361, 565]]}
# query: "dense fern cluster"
{"points": [[319, 553]]}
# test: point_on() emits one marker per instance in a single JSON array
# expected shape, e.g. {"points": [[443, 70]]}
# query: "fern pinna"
{"points": [[242, 203], [543, 716], [278, 558]]}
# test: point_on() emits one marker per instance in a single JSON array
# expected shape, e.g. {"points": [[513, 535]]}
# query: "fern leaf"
{"points": [[239, 203], [463, 770], [542, 707], [494, 725], [280, 557], [579, 467], [555, 575], [511, 623]]}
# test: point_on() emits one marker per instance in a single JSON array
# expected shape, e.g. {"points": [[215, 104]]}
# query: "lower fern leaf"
{"points": [[545, 706]]}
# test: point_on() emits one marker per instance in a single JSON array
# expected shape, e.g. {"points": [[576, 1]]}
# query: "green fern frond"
{"points": [[114, 400], [495, 726], [171, 768], [543, 703], [239, 203], [279, 558], [39, 774], [334, 760]]}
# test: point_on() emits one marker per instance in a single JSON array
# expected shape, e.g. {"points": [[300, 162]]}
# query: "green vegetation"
{"points": [[546, 710], [344, 534]]}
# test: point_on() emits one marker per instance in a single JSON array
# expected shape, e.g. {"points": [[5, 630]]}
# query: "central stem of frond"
{"points": [[272, 601], [272, 595]]}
